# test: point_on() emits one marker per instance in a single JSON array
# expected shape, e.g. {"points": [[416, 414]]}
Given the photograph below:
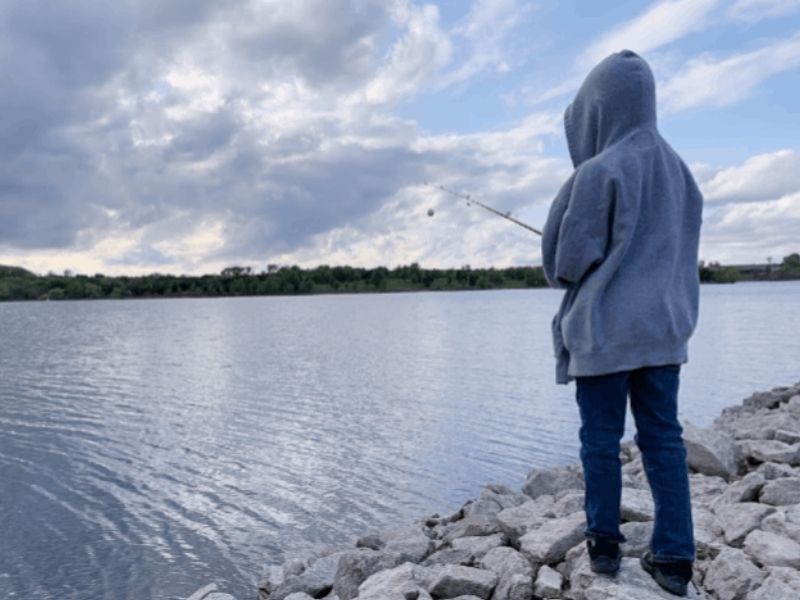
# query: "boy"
{"points": [[622, 239]]}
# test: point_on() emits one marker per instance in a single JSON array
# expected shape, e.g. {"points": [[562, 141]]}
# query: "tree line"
{"points": [[17, 283]]}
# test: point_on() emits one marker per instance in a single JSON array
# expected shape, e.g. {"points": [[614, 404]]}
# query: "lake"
{"points": [[149, 447]]}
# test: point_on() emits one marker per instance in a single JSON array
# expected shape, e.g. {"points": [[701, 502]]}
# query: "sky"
{"points": [[184, 136]]}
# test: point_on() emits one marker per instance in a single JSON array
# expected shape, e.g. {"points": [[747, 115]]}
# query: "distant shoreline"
{"points": [[18, 284]]}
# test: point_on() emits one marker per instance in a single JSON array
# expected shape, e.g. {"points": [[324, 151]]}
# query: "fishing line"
{"points": [[470, 201]]}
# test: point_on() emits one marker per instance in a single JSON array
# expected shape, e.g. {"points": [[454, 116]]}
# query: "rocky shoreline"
{"points": [[528, 544]]}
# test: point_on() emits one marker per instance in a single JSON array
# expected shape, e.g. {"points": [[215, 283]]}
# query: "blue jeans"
{"points": [[602, 400]]}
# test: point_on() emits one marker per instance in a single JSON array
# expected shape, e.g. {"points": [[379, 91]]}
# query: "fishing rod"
{"points": [[470, 201]]}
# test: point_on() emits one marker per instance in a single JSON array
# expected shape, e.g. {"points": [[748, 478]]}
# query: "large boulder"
{"points": [[514, 572], [738, 520], [400, 583], [636, 505], [541, 482], [772, 550], [772, 451], [456, 580], [411, 542], [355, 567], [517, 521], [781, 492], [316, 580], [783, 523], [732, 575], [710, 451], [744, 490], [781, 582], [494, 498], [548, 583], [550, 542], [631, 583]]}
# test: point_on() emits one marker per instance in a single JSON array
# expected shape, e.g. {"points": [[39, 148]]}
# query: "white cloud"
{"points": [[760, 177], [414, 58], [756, 10], [661, 24], [752, 231], [486, 29], [709, 81]]}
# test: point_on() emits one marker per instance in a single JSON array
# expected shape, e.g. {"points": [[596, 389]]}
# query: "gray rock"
{"points": [[449, 556], [411, 542], [710, 451], [786, 436], [636, 505], [783, 525], [494, 498], [781, 492], [732, 575], [550, 542], [356, 566], [514, 587], [781, 582], [400, 583], [373, 541], [479, 545], [706, 487], [773, 451], [316, 580], [471, 525], [744, 490], [770, 549], [505, 561], [516, 522], [771, 470], [542, 482], [569, 503], [708, 533], [271, 579], [792, 405], [548, 583], [738, 520], [631, 583], [514, 572], [762, 400], [299, 596], [637, 537], [455, 580]]}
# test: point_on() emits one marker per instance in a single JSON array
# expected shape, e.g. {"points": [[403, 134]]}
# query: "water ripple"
{"points": [[147, 447]]}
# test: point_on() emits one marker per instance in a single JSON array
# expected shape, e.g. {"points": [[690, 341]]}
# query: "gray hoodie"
{"points": [[622, 234]]}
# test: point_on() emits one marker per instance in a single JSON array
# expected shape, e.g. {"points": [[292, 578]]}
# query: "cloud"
{"points": [[661, 24], [414, 58], [486, 28], [760, 177], [752, 231], [186, 136], [757, 10], [710, 81]]}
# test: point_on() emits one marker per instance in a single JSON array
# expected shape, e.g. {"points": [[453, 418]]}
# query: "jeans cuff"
{"points": [[619, 538], [668, 558]]}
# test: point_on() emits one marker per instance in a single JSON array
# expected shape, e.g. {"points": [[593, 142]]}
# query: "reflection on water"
{"points": [[147, 447]]}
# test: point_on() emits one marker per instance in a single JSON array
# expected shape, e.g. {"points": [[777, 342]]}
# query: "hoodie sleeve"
{"points": [[575, 236]]}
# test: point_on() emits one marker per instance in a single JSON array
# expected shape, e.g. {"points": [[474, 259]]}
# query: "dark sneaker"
{"points": [[604, 556], [673, 576]]}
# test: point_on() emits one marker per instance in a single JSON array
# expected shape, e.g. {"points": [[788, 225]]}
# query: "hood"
{"points": [[617, 96]]}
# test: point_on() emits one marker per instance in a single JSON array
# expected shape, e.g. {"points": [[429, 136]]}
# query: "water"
{"points": [[149, 447]]}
